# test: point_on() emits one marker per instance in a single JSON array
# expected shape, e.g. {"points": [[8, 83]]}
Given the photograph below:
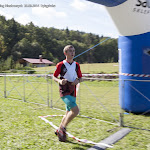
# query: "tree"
{"points": [[18, 41], [2, 46]]}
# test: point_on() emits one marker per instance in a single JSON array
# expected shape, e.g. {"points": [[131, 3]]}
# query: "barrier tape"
{"points": [[135, 75], [70, 135], [26, 75], [77, 88], [44, 75], [98, 75], [84, 75]]}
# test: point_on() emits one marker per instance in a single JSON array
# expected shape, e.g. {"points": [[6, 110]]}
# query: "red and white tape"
{"points": [[84, 75], [70, 135], [99, 75], [50, 75], [26, 75], [135, 75]]}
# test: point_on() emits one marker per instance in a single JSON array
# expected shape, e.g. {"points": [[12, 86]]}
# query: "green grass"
{"points": [[87, 68], [100, 68], [21, 129]]}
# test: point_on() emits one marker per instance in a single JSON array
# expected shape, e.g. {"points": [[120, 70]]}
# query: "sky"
{"points": [[80, 15]]}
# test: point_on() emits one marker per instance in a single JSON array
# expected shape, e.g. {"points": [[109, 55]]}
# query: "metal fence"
{"points": [[27, 88], [97, 98]]}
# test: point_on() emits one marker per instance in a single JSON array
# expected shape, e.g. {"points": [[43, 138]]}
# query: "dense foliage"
{"points": [[19, 41]]}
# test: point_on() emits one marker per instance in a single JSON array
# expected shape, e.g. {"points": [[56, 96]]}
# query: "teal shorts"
{"points": [[70, 101]]}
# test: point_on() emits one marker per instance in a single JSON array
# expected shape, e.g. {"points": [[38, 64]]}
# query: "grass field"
{"points": [[87, 68], [21, 129]]}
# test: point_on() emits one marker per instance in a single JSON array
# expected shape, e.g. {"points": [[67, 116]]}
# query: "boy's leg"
{"points": [[61, 131], [72, 108], [70, 115], [72, 111], [62, 121]]}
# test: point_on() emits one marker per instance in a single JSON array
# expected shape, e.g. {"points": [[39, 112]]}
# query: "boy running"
{"points": [[70, 76]]}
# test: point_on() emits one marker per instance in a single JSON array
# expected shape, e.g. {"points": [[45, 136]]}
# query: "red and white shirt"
{"points": [[70, 72]]}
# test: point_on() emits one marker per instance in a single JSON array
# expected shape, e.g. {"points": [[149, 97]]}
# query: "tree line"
{"points": [[29, 41]]}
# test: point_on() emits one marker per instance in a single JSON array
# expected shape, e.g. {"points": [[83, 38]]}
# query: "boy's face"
{"points": [[70, 53]]}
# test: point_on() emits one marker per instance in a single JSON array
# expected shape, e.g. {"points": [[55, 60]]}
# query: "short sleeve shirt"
{"points": [[70, 72]]}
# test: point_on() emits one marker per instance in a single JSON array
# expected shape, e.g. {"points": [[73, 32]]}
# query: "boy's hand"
{"points": [[63, 81], [76, 81]]}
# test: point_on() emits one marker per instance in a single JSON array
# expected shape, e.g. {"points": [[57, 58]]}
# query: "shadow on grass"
{"points": [[85, 146], [147, 115]]}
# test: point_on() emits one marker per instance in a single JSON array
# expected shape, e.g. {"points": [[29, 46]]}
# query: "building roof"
{"points": [[36, 61]]}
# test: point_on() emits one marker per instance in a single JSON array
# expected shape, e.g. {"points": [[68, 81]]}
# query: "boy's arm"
{"points": [[56, 73], [78, 80], [79, 74], [61, 82]]}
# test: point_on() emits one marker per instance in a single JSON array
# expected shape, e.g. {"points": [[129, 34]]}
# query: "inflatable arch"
{"points": [[132, 19]]}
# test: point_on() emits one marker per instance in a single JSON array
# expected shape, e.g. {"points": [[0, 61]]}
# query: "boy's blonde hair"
{"points": [[67, 48]]}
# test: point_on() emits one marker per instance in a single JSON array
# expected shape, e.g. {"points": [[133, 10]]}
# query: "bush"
{"points": [[26, 69]]}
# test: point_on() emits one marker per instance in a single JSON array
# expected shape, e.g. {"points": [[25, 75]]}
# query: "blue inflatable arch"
{"points": [[132, 19]]}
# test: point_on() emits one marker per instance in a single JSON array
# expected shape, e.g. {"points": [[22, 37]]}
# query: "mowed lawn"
{"points": [[87, 68], [22, 129]]}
